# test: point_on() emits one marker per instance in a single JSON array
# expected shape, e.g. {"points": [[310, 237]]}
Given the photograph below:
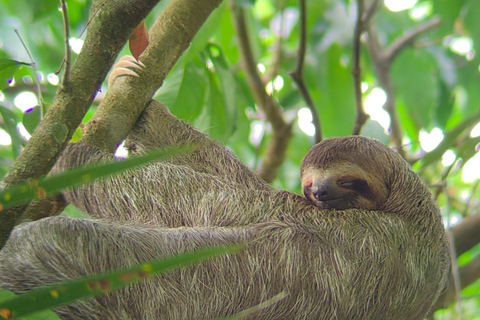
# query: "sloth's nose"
{"points": [[324, 190]]}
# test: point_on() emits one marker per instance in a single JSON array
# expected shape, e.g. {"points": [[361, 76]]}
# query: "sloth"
{"points": [[366, 242]]}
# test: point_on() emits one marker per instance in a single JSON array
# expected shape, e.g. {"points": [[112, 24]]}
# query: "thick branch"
{"points": [[108, 32], [467, 275], [169, 37], [465, 235], [276, 150], [297, 74]]}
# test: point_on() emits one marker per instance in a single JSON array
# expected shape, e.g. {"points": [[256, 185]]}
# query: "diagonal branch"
{"points": [[362, 116], [169, 37], [108, 33], [297, 74], [382, 60], [276, 150], [409, 37]]}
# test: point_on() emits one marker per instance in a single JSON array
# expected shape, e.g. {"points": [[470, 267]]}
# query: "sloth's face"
{"points": [[343, 185]]}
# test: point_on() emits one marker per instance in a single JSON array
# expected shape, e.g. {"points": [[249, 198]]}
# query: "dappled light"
{"points": [[399, 5], [430, 140], [305, 121], [25, 100], [471, 169], [374, 103]]}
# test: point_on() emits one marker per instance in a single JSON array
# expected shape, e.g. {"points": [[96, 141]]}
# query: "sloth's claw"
{"points": [[126, 66]]}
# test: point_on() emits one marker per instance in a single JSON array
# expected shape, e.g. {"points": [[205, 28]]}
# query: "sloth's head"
{"points": [[354, 172]]}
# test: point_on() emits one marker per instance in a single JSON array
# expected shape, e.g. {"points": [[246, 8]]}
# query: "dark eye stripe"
{"points": [[360, 186]]}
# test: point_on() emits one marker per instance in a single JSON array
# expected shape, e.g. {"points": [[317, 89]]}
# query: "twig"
{"points": [[281, 130], [370, 12], [68, 54], [455, 272], [469, 200], [297, 74], [382, 61], [362, 116], [34, 68], [277, 47], [410, 36]]}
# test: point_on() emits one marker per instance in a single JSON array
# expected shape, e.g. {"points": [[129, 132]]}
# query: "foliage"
{"points": [[435, 84]]}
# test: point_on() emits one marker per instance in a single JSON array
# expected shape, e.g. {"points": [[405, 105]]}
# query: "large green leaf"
{"points": [[191, 93], [10, 120], [415, 82], [337, 110], [8, 69]]}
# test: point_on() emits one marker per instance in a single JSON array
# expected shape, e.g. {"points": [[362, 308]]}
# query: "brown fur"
{"points": [[332, 264]]}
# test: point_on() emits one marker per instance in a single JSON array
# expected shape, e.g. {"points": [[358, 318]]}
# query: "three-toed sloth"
{"points": [[367, 241]]}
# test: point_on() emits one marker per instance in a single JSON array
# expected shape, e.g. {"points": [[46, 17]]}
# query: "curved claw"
{"points": [[126, 66]]}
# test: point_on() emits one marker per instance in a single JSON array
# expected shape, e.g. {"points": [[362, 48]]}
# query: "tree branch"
{"points": [[169, 37], [276, 150], [362, 116], [107, 34], [409, 37], [382, 61], [297, 74]]}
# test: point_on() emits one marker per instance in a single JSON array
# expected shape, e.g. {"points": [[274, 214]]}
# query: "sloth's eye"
{"points": [[358, 185]]}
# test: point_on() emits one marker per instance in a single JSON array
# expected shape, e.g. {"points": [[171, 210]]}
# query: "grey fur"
{"points": [[333, 264]]}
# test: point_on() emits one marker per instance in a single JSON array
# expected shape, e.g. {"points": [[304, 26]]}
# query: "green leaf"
{"points": [[8, 69], [41, 9], [223, 109], [415, 80], [445, 102], [337, 108], [191, 94], [44, 187], [67, 292], [42, 315], [11, 120], [31, 119]]}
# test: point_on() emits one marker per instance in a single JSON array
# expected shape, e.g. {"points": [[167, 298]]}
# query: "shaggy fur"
{"points": [[388, 263]]}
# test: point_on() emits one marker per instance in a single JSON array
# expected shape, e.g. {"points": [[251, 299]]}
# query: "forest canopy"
{"points": [[406, 72]]}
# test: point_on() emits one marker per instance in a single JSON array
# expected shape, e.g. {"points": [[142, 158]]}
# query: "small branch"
{"points": [[35, 79], [454, 275], [370, 12], [277, 47], [68, 53], [409, 38], [281, 131], [297, 74], [362, 116], [382, 61]]}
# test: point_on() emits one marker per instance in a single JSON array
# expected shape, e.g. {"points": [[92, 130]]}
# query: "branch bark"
{"points": [[382, 60], [282, 131], [169, 37], [362, 116], [108, 32], [297, 74]]}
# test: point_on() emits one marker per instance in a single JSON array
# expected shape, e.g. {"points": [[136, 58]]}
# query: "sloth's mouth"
{"points": [[331, 203]]}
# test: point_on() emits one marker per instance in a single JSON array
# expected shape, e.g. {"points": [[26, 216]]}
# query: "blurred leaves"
{"points": [[435, 87]]}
